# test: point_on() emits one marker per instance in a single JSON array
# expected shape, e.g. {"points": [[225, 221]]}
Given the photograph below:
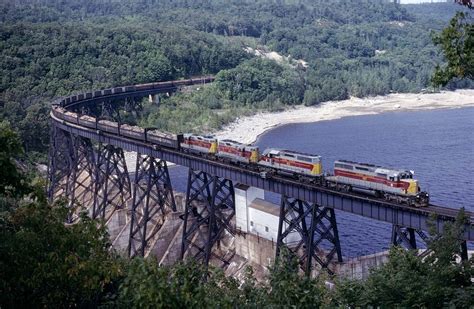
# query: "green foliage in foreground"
{"points": [[45, 263], [408, 281], [12, 182]]}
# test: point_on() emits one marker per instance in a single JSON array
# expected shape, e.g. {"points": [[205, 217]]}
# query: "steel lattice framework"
{"points": [[209, 209], [112, 189], [152, 200], [72, 166], [317, 230], [407, 236]]}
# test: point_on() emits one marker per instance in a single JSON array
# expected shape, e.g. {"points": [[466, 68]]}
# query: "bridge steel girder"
{"points": [[84, 172], [380, 210], [59, 167], [71, 170], [406, 237], [152, 200], [112, 187], [316, 227], [210, 204]]}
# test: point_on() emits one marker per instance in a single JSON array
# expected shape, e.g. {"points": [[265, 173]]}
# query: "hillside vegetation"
{"points": [[53, 48]]}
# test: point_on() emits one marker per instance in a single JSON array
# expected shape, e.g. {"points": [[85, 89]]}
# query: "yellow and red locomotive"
{"points": [[292, 162], [237, 152], [391, 184], [199, 144]]}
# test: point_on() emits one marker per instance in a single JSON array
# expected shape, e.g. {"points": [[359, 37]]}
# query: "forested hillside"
{"points": [[53, 48]]}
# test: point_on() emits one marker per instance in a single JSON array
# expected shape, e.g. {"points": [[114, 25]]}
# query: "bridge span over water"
{"points": [[87, 166]]}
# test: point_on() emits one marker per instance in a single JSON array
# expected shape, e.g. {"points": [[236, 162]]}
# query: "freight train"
{"points": [[162, 87], [387, 183]]}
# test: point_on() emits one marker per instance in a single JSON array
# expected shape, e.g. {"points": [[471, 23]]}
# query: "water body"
{"points": [[438, 145]]}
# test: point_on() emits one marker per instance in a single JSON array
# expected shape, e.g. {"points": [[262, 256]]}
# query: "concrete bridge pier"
{"points": [[154, 99]]}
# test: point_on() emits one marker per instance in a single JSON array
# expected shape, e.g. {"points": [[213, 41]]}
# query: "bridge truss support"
{"points": [[152, 200], [406, 237], [110, 109], [304, 230], [71, 170], [59, 167], [112, 189], [209, 209]]}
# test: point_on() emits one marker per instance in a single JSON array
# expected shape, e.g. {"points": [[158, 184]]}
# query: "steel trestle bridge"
{"points": [[87, 166]]}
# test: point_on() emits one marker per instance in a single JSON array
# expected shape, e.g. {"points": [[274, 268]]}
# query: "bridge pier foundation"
{"points": [[209, 209], [316, 227], [112, 188], [152, 200]]}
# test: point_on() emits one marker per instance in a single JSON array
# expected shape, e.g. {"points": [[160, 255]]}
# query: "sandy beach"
{"points": [[248, 129]]}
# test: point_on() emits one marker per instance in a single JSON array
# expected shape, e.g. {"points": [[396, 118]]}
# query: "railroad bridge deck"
{"points": [[399, 215]]}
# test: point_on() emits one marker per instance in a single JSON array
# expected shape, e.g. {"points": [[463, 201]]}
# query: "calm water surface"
{"points": [[438, 145]]}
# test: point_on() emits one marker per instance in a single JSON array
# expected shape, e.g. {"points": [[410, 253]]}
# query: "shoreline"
{"points": [[248, 129]]}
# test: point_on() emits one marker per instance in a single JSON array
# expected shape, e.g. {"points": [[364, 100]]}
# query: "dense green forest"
{"points": [[54, 48], [46, 263]]}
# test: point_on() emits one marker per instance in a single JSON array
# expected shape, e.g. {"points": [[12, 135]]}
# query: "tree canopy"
{"points": [[457, 43]]}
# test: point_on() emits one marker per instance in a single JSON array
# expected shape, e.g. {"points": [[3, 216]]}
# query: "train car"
{"points": [[182, 82], [134, 132], [69, 116], [58, 112], [108, 126], [237, 152], [199, 144], [118, 90], [292, 162], [144, 86], [129, 88], [157, 137], [87, 121], [164, 85], [392, 184]]}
